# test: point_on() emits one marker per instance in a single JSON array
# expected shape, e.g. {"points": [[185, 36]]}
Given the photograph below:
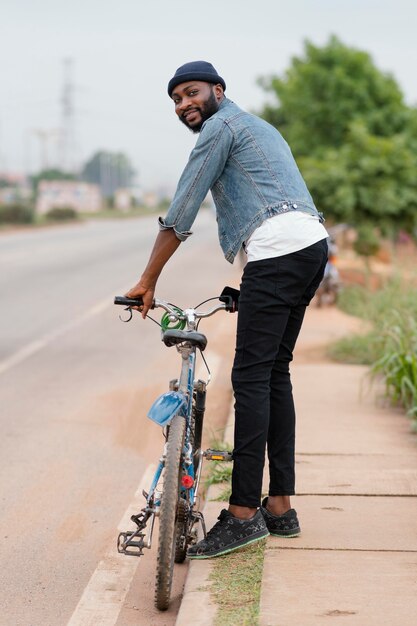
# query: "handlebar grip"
{"points": [[230, 297], [128, 301]]}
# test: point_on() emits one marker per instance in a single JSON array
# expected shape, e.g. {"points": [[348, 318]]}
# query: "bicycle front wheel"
{"points": [[168, 513]]}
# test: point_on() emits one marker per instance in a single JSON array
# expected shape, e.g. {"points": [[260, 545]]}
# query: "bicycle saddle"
{"points": [[173, 337]]}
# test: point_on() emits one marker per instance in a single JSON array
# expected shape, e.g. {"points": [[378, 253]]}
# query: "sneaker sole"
{"points": [[240, 544], [286, 536]]}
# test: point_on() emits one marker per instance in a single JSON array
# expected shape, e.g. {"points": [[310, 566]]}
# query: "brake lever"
{"points": [[131, 315]]}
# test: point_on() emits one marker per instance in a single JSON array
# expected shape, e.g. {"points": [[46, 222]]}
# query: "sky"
{"points": [[123, 53]]}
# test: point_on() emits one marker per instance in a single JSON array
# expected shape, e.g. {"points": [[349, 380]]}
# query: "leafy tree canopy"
{"points": [[50, 174], [109, 170], [321, 94], [352, 134]]}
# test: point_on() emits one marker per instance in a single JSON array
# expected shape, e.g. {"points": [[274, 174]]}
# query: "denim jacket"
{"points": [[251, 173]]}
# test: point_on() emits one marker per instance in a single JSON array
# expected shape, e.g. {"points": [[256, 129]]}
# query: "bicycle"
{"points": [[173, 493]]}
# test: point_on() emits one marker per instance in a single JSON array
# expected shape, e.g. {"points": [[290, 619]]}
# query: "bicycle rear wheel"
{"points": [[168, 513]]}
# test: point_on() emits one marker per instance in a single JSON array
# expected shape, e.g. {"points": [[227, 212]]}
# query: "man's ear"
{"points": [[218, 92]]}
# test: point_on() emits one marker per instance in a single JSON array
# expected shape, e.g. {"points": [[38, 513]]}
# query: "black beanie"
{"points": [[196, 70]]}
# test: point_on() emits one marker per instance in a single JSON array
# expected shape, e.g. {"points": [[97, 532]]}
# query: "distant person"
{"points": [[262, 204]]}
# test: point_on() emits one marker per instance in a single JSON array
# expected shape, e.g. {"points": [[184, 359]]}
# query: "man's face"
{"points": [[196, 101]]}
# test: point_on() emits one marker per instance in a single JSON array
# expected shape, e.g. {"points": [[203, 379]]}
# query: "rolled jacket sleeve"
{"points": [[205, 165]]}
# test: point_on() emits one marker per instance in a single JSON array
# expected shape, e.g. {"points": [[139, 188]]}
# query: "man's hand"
{"points": [[145, 292]]}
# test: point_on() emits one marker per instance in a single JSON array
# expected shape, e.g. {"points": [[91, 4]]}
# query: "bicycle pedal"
{"points": [[218, 455], [127, 545]]}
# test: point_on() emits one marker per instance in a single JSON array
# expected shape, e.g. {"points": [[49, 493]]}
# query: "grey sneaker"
{"points": [[229, 533], [285, 525]]}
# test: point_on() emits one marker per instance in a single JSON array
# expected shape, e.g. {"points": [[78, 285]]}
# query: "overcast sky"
{"points": [[124, 52]]}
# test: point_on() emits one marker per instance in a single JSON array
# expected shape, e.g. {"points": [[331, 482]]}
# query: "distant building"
{"points": [[14, 188], [150, 199], [122, 200], [83, 197]]}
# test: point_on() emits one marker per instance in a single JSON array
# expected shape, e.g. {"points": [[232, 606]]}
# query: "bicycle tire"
{"points": [[168, 513]]}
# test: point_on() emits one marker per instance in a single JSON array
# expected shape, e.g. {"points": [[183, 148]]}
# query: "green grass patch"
{"points": [[355, 349], [390, 348], [398, 362], [395, 295], [220, 473], [236, 586], [236, 577]]}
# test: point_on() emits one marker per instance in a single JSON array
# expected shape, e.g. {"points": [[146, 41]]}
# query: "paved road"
{"points": [[73, 381]]}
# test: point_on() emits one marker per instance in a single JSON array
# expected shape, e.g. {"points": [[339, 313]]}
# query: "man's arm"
{"points": [[165, 245], [205, 164]]}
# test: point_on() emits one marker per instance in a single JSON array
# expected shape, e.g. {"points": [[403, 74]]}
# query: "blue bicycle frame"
{"points": [[164, 409]]}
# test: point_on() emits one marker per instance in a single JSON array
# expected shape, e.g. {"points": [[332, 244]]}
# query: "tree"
{"points": [[368, 180], [352, 134], [109, 170], [323, 93], [50, 174]]}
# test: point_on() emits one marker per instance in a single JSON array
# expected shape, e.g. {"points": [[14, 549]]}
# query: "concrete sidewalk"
{"points": [[356, 558]]}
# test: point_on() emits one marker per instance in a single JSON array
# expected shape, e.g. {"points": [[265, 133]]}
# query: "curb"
{"points": [[197, 585]]}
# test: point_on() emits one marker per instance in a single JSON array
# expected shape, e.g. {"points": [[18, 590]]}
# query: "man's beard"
{"points": [[208, 109]]}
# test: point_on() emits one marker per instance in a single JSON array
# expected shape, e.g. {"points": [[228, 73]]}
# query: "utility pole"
{"points": [[44, 137], [67, 156]]}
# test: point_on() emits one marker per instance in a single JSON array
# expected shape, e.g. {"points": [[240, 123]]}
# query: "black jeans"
{"points": [[274, 294]]}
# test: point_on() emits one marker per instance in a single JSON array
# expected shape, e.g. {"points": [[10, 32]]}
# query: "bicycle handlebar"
{"points": [[228, 298], [170, 308]]}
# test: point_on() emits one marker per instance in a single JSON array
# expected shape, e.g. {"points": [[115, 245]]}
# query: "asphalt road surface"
{"points": [[75, 384]]}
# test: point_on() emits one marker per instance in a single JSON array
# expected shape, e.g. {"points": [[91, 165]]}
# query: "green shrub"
{"points": [[16, 214], [356, 349], [391, 346], [398, 361], [376, 305], [367, 243], [61, 214], [353, 300]]}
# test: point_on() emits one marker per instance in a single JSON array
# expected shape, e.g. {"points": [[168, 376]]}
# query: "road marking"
{"points": [[107, 589], [34, 346]]}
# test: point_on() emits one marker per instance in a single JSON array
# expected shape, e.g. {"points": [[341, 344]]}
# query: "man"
{"points": [[263, 204]]}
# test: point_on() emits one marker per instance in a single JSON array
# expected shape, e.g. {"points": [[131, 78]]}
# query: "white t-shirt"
{"points": [[283, 234]]}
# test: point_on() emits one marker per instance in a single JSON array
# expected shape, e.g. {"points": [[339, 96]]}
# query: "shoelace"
{"points": [[213, 530]]}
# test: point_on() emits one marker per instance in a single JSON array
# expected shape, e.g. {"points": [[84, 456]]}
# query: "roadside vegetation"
{"points": [[236, 577], [236, 586], [390, 346], [16, 214], [25, 215]]}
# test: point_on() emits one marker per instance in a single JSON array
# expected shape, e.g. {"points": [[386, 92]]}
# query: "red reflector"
{"points": [[187, 481]]}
